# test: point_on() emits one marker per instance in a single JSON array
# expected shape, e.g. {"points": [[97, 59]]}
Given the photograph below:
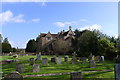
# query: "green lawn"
{"points": [[60, 68]]}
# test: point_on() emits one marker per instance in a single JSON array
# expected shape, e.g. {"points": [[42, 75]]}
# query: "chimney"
{"points": [[69, 27]]}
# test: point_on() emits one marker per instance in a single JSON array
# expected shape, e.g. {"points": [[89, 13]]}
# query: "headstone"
{"points": [[15, 56], [66, 58], [76, 76], [38, 57], [36, 68], [59, 60], [102, 58], [19, 67], [117, 71], [74, 59], [97, 59], [91, 57], [117, 59], [13, 76], [92, 64], [44, 61], [53, 59], [31, 61], [83, 59]]}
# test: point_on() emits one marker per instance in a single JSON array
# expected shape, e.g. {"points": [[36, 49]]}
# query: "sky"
{"points": [[22, 21]]}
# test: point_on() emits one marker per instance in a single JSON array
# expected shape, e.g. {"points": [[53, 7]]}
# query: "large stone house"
{"points": [[45, 40]]}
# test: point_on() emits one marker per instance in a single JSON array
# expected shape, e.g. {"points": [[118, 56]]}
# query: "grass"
{"points": [[60, 68]]}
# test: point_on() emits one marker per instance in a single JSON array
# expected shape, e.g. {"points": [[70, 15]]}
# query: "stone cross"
{"points": [[36, 68], [117, 71], [92, 64], [19, 67], [44, 61], [31, 61], [76, 76], [13, 76]]}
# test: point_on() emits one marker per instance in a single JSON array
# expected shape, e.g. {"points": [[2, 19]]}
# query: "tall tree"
{"points": [[87, 43], [31, 46], [6, 46]]}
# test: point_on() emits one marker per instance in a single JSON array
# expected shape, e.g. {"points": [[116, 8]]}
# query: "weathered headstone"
{"points": [[31, 61], [13, 76], [102, 58], [15, 56], [91, 57], [44, 61], [36, 68], [92, 64], [20, 67], [117, 71], [66, 58], [38, 57], [76, 76], [97, 59], [53, 59], [74, 59], [59, 60], [83, 59]]}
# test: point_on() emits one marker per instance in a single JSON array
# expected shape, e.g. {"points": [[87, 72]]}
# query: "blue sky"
{"points": [[22, 21]]}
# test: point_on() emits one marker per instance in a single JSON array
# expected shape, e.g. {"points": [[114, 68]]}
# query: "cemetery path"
{"points": [[54, 74]]}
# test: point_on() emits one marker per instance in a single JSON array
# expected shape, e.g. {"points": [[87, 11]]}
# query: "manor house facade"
{"points": [[46, 40]]}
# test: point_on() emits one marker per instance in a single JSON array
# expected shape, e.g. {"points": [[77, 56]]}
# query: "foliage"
{"points": [[6, 46], [87, 43], [31, 46], [14, 50], [61, 46]]}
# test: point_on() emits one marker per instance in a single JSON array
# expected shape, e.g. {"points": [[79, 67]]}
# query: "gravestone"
{"points": [[91, 57], [15, 56], [59, 60], [38, 57], [20, 67], [13, 76], [74, 59], [31, 61], [97, 59], [66, 58], [117, 59], [102, 58], [36, 68], [83, 59], [53, 59], [76, 76], [117, 71], [92, 64], [44, 61]]}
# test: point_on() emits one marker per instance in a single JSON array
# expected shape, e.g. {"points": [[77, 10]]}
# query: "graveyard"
{"points": [[103, 69]]}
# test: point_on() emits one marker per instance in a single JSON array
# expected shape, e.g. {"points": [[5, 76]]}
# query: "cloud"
{"points": [[35, 20], [22, 0], [8, 16], [63, 24], [92, 27]]}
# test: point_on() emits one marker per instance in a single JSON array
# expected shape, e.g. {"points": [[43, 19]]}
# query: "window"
{"points": [[48, 38]]}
